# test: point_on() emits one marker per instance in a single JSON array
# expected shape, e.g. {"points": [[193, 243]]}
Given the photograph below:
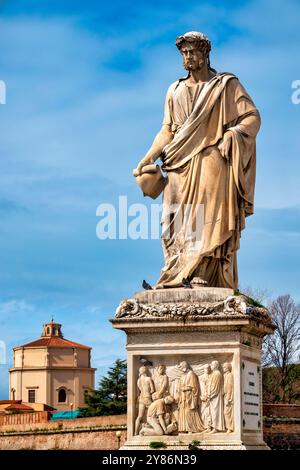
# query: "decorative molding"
{"points": [[233, 306]]}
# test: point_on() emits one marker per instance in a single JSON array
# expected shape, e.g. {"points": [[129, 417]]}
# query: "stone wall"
{"points": [[100, 433], [97, 421], [282, 434], [282, 425], [84, 433], [37, 417], [290, 411], [65, 440]]}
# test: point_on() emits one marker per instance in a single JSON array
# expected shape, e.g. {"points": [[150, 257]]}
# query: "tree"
{"points": [[258, 294], [111, 397], [279, 349]]}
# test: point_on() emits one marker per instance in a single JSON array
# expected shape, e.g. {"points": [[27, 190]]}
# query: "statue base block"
{"points": [[202, 348], [184, 442]]}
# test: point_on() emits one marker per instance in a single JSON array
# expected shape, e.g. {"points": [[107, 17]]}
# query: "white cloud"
{"points": [[14, 306]]}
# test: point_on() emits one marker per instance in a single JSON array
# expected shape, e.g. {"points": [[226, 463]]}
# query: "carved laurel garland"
{"points": [[232, 305]]}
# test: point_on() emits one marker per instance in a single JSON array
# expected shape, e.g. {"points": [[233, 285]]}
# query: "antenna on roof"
{"points": [[52, 319]]}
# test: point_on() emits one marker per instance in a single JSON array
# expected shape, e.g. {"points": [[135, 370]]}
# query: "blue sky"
{"points": [[85, 91]]}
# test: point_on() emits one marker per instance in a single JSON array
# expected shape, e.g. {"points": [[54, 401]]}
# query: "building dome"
{"points": [[52, 370]]}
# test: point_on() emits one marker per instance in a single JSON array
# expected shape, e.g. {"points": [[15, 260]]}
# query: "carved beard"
{"points": [[199, 66]]}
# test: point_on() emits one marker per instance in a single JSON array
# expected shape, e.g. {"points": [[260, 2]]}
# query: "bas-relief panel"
{"points": [[184, 394]]}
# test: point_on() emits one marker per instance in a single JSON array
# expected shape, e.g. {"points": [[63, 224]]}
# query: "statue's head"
{"points": [[215, 365], [161, 369], [184, 366], [143, 370], [195, 48], [169, 400], [227, 367]]}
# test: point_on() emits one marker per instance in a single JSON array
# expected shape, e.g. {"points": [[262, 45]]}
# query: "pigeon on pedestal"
{"points": [[146, 286]]}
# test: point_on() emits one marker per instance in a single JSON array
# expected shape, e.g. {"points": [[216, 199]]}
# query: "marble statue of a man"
{"points": [[157, 425], [189, 419], [228, 396], [205, 408], [161, 383], [146, 388], [207, 146], [215, 397]]}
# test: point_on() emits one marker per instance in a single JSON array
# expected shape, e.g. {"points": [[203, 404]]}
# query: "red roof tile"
{"points": [[53, 342], [18, 407], [10, 402]]}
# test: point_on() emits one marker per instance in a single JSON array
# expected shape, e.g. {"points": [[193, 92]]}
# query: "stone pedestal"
{"points": [[202, 347]]}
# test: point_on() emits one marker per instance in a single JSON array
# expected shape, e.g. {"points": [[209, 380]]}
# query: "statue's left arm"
{"points": [[241, 124], [247, 123]]}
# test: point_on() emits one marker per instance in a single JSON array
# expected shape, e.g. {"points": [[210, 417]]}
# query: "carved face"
{"points": [[161, 370], [169, 400], [184, 366], [143, 370], [227, 367], [207, 369], [214, 365], [193, 57]]}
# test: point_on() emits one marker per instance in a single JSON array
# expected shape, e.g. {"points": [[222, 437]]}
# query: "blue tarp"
{"points": [[65, 415]]}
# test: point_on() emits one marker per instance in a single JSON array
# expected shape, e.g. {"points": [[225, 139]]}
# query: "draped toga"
{"points": [[216, 405], [198, 176], [189, 419], [228, 400]]}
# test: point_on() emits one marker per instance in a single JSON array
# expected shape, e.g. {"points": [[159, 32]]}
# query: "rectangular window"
{"points": [[31, 396]]}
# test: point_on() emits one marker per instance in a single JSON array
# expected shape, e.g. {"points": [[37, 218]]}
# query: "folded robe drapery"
{"points": [[201, 181]]}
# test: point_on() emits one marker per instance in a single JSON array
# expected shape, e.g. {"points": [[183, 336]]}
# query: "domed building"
{"points": [[52, 370]]}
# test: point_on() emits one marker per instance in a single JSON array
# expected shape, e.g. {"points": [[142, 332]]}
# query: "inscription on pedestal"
{"points": [[251, 398]]}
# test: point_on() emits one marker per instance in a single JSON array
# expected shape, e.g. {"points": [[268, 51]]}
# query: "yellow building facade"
{"points": [[52, 370]]}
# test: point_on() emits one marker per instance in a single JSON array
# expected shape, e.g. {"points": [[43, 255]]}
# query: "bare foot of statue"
{"points": [[213, 431], [198, 282]]}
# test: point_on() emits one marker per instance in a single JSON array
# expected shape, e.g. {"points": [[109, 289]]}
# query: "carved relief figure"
{"points": [[161, 382], [228, 397], [187, 400], [159, 419], [215, 396], [189, 419], [146, 389], [205, 408]]}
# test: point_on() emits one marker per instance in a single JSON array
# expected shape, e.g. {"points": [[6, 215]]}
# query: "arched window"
{"points": [[53, 330], [62, 395], [48, 330]]}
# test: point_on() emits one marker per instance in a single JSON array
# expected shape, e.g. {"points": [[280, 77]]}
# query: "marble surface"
{"points": [[197, 294]]}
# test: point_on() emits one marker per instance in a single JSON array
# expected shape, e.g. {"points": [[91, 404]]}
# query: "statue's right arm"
{"points": [[163, 138]]}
